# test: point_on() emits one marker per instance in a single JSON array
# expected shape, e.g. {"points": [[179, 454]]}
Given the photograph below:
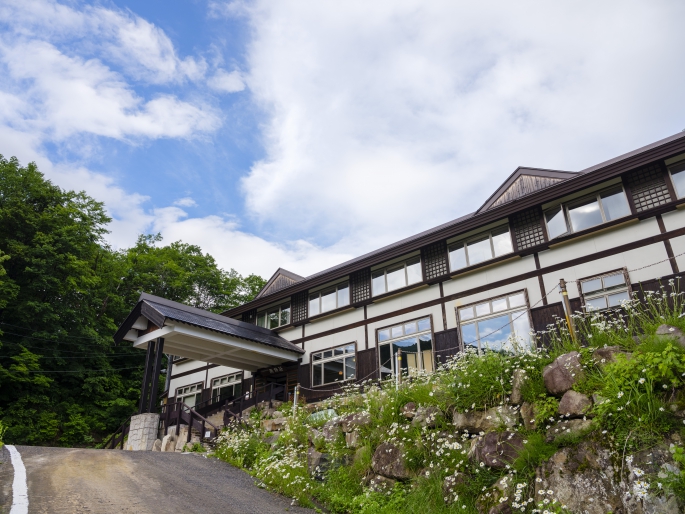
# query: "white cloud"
{"points": [[388, 118], [185, 202], [227, 82]]}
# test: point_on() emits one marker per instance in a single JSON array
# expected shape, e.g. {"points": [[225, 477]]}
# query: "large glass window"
{"points": [[190, 395], [334, 365], [226, 387], [274, 317], [416, 341], [588, 212], [500, 324], [605, 292], [481, 248], [329, 299], [396, 276], [677, 172]]}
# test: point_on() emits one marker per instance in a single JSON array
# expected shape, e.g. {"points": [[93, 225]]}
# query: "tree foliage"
{"points": [[63, 293]]}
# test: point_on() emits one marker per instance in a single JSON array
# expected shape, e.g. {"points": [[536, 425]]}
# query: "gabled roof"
{"points": [[158, 310], [523, 182], [279, 280]]}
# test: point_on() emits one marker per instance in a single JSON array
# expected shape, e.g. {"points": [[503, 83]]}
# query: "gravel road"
{"points": [[67, 480]]}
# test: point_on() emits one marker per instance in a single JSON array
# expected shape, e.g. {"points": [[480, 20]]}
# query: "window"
{"points": [[274, 317], [334, 365], [396, 276], [481, 248], [329, 299], [227, 387], [492, 325], [677, 172], [190, 395], [588, 212], [605, 292], [416, 341]]}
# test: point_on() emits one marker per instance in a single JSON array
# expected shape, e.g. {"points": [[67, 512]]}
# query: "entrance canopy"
{"points": [[204, 336]]}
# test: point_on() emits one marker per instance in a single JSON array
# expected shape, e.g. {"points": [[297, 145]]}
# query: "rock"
{"points": [[353, 421], [496, 449], [331, 430], [317, 463], [563, 373], [598, 399], [277, 414], [528, 413], [273, 425], [674, 332], [352, 439], [381, 484], [276, 404], [157, 445], [388, 461], [315, 436], [606, 354], [517, 380], [568, 428], [574, 404], [426, 416], [450, 485], [497, 499], [409, 410], [272, 439], [581, 477], [168, 443], [484, 421]]}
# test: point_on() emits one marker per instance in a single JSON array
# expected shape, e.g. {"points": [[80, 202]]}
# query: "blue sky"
{"points": [[295, 134]]}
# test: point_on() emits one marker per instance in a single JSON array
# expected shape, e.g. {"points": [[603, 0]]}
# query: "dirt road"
{"points": [[63, 480]]}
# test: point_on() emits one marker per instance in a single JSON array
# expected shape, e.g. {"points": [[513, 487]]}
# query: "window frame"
{"points": [[319, 294], [604, 292], [394, 265], [198, 391], [389, 341], [281, 308], [239, 374], [677, 164], [464, 244], [597, 195], [508, 311], [332, 358]]}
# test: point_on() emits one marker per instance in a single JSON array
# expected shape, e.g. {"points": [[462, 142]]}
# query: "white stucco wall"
{"points": [[334, 321], [674, 219]]}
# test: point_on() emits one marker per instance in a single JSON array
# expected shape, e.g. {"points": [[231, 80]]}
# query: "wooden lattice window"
{"points": [[434, 258], [528, 228], [299, 307], [360, 283], [648, 187], [250, 316]]}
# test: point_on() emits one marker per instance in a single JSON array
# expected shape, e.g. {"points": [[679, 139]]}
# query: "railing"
{"points": [[233, 409], [178, 412], [118, 437], [214, 404]]}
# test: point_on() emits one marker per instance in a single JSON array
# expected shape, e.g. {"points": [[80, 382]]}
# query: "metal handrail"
{"points": [[123, 435]]}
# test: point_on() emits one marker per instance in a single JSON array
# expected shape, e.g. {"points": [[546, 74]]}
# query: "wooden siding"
{"points": [[524, 185], [367, 364], [446, 344]]}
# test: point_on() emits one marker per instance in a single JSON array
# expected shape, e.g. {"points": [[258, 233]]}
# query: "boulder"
{"points": [[426, 416], [381, 484], [315, 435], [317, 463], [528, 413], [568, 428], [331, 430], [563, 373], [273, 425], [671, 331], [517, 380], [497, 499], [581, 477], [606, 354], [450, 485], [574, 404], [409, 410], [388, 460], [353, 421], [277, 414], [352, 439], [496, 449], [484, 421], [157, 445], [168, 443], [272, 439]]}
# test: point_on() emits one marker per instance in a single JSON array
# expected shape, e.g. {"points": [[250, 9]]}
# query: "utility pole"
{"points": [[399, 366], [297, 390], [567, 310]]}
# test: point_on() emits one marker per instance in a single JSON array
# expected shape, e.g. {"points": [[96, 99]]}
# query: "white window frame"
{"points": [[421, 366], [412, 260], [510, 311], [605, 291], [679, 168], [598, 197], [198, 391], [316, 296], [464, 244], [279, 309], [232, 380], [348, 351]]}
